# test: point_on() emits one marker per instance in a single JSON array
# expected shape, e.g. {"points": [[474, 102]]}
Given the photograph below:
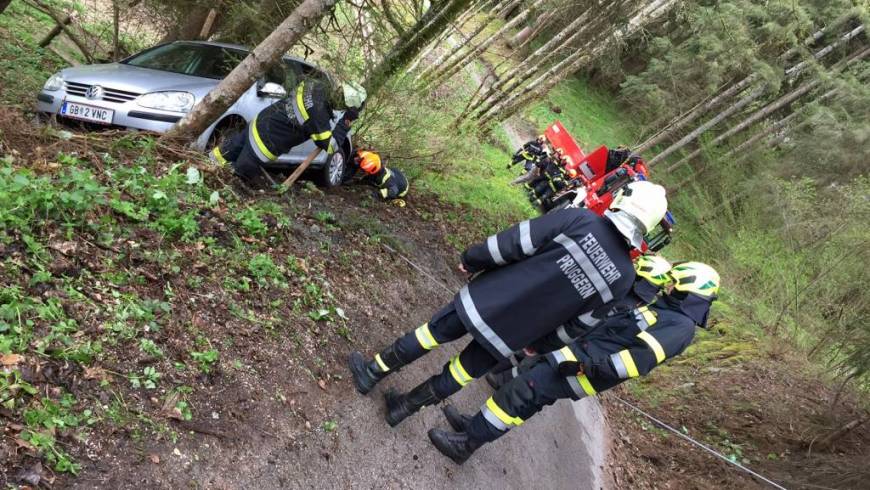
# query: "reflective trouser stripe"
{"points": [[424, 336], [381, 363], [257, 144], [498, 417], [492, 245], [624, 364], [654, 345], [218, 156], [579, 384], [480, 325], [649, 318], [300, 104], [526, 238], [384, 193], [588, 267], [587, 386], [458, 372], [333, 145]]}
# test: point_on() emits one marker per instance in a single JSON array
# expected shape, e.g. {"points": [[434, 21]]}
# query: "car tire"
{"points": [[225, 129], [333, 172]]}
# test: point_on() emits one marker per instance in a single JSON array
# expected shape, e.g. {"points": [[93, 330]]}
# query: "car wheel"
{"points": [[224, 130], [334, 170]]}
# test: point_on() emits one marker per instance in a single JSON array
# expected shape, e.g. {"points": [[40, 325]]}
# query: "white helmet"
{"points": [[354, 95], [636, 209]]}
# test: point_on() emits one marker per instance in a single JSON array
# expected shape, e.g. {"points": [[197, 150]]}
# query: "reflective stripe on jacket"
{"points": [[539, 274], [310, 106]]}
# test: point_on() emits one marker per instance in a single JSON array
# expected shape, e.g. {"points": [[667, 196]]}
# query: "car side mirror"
{"points": [[271, 89]]}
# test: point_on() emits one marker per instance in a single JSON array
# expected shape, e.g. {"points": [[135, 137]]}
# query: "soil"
{"points": [[777, 410], [278, 409]]}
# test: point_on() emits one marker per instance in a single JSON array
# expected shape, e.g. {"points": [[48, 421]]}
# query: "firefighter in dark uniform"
{"points": [[631, 345], [530, 154], [306, 114], [652, 277], [534, 276], [391, 183]]}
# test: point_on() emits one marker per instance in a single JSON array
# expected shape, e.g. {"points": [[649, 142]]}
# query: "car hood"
{"points": [[139, 80]]}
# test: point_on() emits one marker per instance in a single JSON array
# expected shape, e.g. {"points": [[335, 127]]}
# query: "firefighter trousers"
{"points": [[266, 137], [518, 400], [445, 326]]}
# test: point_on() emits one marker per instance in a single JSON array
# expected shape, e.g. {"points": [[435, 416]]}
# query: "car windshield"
{"points": [[198, 60]]}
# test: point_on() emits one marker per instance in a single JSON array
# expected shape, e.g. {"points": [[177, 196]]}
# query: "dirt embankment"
{"points": [[273, 406]]}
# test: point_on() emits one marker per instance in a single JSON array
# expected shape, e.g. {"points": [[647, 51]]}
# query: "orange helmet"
{"points": [[369, 161]]}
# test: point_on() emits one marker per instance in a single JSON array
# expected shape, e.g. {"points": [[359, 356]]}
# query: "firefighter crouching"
{"points": [[306, 114], [630, 345], [652, 277], [534, 277], [391, 183]]}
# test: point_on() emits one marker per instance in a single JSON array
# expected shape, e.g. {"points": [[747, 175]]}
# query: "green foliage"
{"points": [[251, 222], [264, 270], [43, 418], [24, 68], [205, 359]]}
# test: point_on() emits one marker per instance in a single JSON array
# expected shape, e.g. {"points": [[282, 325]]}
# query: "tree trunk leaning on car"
{"points": [[266, 54]]}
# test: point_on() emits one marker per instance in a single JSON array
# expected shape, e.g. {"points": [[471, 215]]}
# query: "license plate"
{"points": [[87, 113]]}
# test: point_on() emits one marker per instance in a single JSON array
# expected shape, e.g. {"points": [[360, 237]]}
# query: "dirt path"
{"points": [[291, 422]]}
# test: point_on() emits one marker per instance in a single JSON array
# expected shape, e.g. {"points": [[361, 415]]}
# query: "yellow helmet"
{"points": [[654, 269], [697, 278]]}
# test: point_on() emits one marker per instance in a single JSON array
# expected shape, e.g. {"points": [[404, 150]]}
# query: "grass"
{"points": [[592, 116], [24, 67]]}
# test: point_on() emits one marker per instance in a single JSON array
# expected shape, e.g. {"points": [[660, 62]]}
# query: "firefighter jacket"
{"points": [[625, 346], [391, 183], [310, 107], [540, 273], [642, 293]]}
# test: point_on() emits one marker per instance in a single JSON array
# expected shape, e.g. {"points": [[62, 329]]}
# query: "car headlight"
{"points": [[168, 101], [54, 83]]}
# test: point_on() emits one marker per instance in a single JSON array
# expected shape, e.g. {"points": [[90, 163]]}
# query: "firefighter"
{"points": [[629, 347], [391, 183], [530, 154], [533, 277], [652, 277], [289, 122]]}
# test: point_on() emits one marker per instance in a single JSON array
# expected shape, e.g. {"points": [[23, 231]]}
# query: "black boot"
{"points": [[367, 374], [457, 420], [400, 407], [455, 445]]}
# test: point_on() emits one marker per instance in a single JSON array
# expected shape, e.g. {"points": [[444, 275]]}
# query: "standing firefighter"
{"points": [[306, 114], [535, 276], [390, 182], [631, 345]]}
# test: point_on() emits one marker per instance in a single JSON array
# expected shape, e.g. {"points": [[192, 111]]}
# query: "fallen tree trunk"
{"points": [[244, 75], [63, 24]]}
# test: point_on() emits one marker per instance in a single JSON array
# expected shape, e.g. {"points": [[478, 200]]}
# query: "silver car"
{"points": [[152, 90]]}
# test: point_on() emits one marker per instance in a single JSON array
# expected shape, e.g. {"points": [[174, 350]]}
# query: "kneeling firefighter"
{"points": [[390, 182], [534, 277], [631, 345], [289, 122]]}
